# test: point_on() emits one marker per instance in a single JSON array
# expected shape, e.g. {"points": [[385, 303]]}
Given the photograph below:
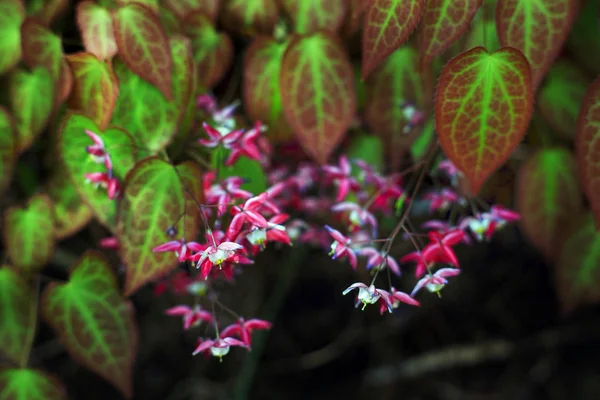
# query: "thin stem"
{"points": [[33, 317]]}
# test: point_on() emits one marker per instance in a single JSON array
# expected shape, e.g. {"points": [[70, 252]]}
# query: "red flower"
{"points": [[243, 329], [106, 181], [191, 316], [439, 250], [218, 347], [342, 176], [340, 246], [370, 295], [182, 249], [435, 282]]}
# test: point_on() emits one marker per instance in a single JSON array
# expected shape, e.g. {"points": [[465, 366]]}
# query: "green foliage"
{"points": [[29, 384], [12, 14]]}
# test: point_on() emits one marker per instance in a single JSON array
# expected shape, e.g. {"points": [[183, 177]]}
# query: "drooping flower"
{"points": [[435, 282], [192, 316], [218, 347], [182, 249], [340, 246], [369, 295], [376, 258], [105, 181], [438, 250], [243, 329], [342, 177]]}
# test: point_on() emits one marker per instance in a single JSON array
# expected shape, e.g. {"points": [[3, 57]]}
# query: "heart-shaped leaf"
{"points": [[584, 38], [250, 17], [29, 384], [93, 321], [184, 80], [31, 99], [587, 141], [18, 314], [41, 47], [483, 104], [262, 99], [95, 88], [317, 89], [183, 8], [443, 22], [391, 84], [12, 14], [8, 150], [70, 212], [29, 234], [538, 28], [548, 196], [559, 98], [96, 27], [311, 16], [213, 51], [578, 266], [155, 196], [387, 25], [143, 45], [72, 144]]}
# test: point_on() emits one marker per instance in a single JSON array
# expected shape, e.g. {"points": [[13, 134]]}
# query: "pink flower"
{"points": [[370, 295], [376, 259], [340, 246], [246, 146], [106, 181], [342, 176], [191, 316], [438, 250], [243, 329], [219, 347], [216, 255], [248, 212], [223, 193], [357, 215], [109, 243], [444, 227], [216, 138], [182, 249], [442, 200], [397, 297], [435, 282]]}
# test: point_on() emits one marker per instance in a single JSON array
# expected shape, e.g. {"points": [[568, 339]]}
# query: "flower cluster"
{"points": [[100, 155]]}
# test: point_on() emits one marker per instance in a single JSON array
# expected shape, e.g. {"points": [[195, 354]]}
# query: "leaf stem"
{"points": [[33, 317]]}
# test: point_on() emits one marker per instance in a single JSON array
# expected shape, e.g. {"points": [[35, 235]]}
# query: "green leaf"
{"points": [[18, 314], [261, 96], [213, 51], [311, 16], [47, 11], [143, 111], [29, 384], [559, 98], [41, 47], [150, 4], [8, 151], [368, 148], [12, 14], [31, 99], [183, 8], [577, 268], [72, 144], [143, 45], [387, 25], [421, 144], [538, 28], [29, 234], [96, 27], [184, 81], [587, 140], [392, 83], [317, 89], [584, 38], [95, 88], [154, 199], [483, 104], [444, 22], [250, 17], [483, 31], [548, 196], [70, 213], [93, 321], [250, 170]]}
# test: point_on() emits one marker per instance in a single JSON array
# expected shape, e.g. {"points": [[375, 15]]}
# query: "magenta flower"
{"points": [[243, 329], [377, 259], [219, 347], [340, 246], [397, 297], [357, 215], [444, 227], [97, 150], [369, 295], [223, 193], [440, 201], [216, 138], [246, 145], [182, 249], [109, 243], [191, 316], [105, 181], [435, 282], [342, 176], [438, 250], [216, 255], [248, 212]]}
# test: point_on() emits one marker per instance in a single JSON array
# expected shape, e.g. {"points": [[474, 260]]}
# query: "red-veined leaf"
{"points": [[70, 213], [213, 51], [392, 83], [584, 37], [72, 143], [29, 384], [250, 17], [154, 198], [151, 4], [12, 14], [262, 99], [184, 79], [169, 20], [548, 196], [443, 22], [31, 96], [8, 148], [143, 45], [96, 27], [559, 97], [578, 266], [29, 234], [387, 25], [538, 28], [183, 8], [317, 90], [47, 11], [354, 17], [587, 146], [95, 88], [93, 321], [483, 105], [310, 16], [18, 305]]}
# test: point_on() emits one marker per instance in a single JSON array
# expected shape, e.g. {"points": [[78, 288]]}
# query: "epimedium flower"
{"points": [[438, 250], [342, 177], [369, 295], [97, 150], [246, 145], [218, 347], [435, 282], [216, 255], [216, 138], [442, 200], [222, 194], [484, 225], [249, 212], [243, 329], [357, 216], [105, 181], [412, 115], [443, 227], [397, 297], [182, 249], [376, 258], [341, 246], [192, 316]]}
